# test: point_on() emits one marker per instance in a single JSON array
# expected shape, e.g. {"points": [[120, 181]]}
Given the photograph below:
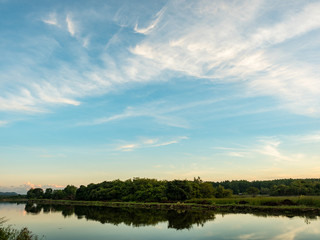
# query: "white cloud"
{"points": [[149, 143], [3, 123], [228, 43], [48, 93], [291, 233], [86, 42], [127, 148], [270, 148], [163, 112], [236, 154], [23, 102], [51, 19], [152, 25], [155, 110], [70, 25], [309, 138], [177, 140], [309, 17], [220, 41]]}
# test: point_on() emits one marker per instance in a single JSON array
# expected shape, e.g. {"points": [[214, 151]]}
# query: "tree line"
{"points": [[278, 187], [136, 189], [152, 190]]}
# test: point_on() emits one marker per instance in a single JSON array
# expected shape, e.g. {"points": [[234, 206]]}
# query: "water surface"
{"points": [[80, 222]]}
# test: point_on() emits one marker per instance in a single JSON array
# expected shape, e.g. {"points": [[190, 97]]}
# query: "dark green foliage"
{"points": [[48, 193], [253, 191], [70, 192], [35, 193], [137, 189], [152, 190], [178, 190], [278, 187], [145, 190], [59, 194], [8, 233], [221, 192]]}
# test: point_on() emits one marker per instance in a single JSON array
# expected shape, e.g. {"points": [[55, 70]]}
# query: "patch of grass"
{"points": [[8, 233], [303, 201]]}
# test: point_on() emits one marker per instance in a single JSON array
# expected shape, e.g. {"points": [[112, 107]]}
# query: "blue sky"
{"points": [[101, 90]]}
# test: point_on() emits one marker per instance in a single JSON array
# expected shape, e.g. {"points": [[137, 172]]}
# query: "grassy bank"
{"points": [[297, 201], [272, 205]]}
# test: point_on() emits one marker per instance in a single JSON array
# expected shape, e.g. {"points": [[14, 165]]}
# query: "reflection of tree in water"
{"points": [[185, 219], [136, 217], [33, 208], [128, 216]]}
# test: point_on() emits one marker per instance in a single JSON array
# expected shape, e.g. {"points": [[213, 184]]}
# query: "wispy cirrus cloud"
{"points": [[308, 138], [270, 148], [51, 19], [71, 25], [235, 47], [127, 147], [176, 140], [154, 110], [222, 42], [150, 143], [152, 25], [162, 111], [3, 123], [273, 149]]}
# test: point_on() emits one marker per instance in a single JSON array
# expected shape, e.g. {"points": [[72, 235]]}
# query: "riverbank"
{"points": [[301, 205], [268, 205]]}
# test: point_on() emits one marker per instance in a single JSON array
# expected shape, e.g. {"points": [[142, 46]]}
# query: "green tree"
{"points": [[221, 192], [58, 194], [48, 193], [35, 193], [178, 190], [70, 192], [253, 191], [206, 190]]}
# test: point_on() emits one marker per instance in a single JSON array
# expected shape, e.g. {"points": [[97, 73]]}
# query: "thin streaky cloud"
{"points": [[177, 140], [150, 143], [3, 123], [161, 110], [244, 52], [222, 72], [70, 25], [238, 58], [152, 25], [269, 148], [128, 147], [51, 20]]}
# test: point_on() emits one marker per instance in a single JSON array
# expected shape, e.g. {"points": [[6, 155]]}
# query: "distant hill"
{"points": [[8, 194]]}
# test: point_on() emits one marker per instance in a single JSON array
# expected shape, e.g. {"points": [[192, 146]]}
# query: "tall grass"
{"points": [[9, 233], [307, 201]]}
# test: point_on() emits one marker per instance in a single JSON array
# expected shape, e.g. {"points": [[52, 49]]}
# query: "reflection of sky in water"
{"points": [[232, 226]]}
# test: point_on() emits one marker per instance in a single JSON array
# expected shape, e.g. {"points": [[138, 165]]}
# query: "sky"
{"points": [[102, 90]]}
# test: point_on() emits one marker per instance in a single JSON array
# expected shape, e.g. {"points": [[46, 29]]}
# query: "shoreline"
{"points": [[219, 208]]}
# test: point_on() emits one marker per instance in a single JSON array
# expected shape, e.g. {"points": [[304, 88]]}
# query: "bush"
{"points": [[8, 233]]}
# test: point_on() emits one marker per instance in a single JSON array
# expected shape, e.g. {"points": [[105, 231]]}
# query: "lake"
{"points": [[82, 222]]}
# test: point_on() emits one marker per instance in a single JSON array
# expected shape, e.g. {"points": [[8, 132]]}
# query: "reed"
{"points": [[9, 233], [307, 201]]}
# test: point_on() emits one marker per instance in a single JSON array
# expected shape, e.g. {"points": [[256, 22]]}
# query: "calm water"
{"points": [[59, 222]]}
